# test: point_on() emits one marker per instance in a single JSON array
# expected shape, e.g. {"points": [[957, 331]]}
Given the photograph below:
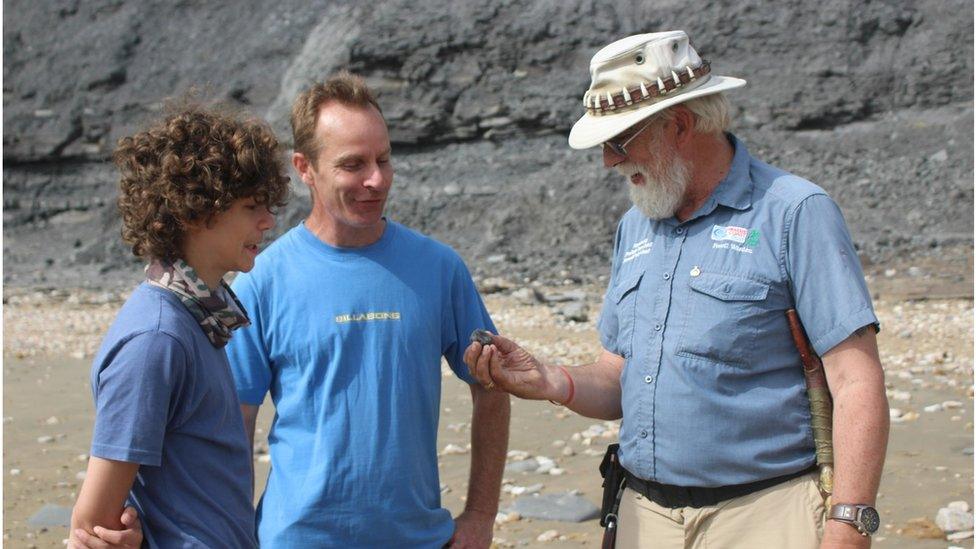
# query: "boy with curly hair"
{"points": [[197, 194]]}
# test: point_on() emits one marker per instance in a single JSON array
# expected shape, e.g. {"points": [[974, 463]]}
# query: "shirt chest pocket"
{"points": [[723, 318], [624, 299]]}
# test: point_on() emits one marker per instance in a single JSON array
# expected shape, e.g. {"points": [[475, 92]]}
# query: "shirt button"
{"points": [[648, 379], [667, 276], [643, 434], [679, 230], [695, 271], [657, 327]]}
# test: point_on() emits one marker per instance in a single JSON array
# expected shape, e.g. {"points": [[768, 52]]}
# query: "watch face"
{"points": [[870, 519]]}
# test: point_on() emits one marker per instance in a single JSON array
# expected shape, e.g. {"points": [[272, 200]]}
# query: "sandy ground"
{"points": [[926, 348]]}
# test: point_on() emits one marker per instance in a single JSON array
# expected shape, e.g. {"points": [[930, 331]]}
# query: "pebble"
{"points": [[46, 439], [516, 490], [548, 535], [933, 408], [907, 416], [953, 520], [81, 457], [453, 449], [517, 455], [14, 472], [526, 296], [575, 312], [524, 466], [505, 518], [566, 507], [900, 395], [52, 421], [568, 451], [80, 475], [951, 404]]}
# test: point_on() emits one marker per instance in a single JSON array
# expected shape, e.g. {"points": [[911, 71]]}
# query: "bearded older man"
{"points": [[698, 357]]}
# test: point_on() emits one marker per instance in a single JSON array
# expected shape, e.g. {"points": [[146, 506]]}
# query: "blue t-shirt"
{"points": [[713, 390], [165, 399], [349, 342]]}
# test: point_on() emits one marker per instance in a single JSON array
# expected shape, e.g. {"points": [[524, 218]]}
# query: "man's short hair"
{"points": [[191, 166], [344, 87], [712, 113]]}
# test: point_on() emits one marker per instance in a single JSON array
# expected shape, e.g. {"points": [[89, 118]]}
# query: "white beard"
{"points": [[664, 186]]}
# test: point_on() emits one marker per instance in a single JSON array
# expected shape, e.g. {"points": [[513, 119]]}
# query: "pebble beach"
{"points": [[926, 497]]}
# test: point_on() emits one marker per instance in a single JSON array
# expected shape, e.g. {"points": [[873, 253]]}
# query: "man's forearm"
{"points": [[860, 429], [596, 391], [250, 414], [595, 387], [489, 446], [860, 442]]}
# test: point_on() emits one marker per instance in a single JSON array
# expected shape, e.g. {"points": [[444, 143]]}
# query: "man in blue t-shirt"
{"points": [[698, 358], [351, 314]]}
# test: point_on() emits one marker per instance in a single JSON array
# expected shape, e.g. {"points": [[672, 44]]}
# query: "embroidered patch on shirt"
{"points": [[735, 238], [641, 248]]}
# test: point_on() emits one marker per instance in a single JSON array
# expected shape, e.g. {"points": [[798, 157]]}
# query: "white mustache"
{"points": [[627, 169]]}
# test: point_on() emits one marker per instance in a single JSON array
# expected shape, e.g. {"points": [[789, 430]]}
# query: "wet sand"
{"points": [[926, 348]]}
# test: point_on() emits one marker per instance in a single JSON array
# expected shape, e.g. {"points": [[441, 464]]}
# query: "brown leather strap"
{"points": [[653, 91]]}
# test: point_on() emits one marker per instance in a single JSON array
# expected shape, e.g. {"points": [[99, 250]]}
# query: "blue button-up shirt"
{"points": [[713, 390]]}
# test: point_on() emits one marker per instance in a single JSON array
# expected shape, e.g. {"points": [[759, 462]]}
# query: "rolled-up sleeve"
{"points": [[831, 295]]}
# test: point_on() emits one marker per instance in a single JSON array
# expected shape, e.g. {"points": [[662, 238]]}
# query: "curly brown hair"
{"points": [[191, 166], [344, 87]]}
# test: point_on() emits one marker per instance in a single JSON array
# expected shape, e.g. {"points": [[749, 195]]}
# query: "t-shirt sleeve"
{"points": [[246, 351], [831, 295], [137, 395], [466, 313]]}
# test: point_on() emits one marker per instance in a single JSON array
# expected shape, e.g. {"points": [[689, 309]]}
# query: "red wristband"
{"points": [[572, 389]]}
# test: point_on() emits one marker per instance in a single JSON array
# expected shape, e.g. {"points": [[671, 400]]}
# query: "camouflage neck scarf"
{"points": [[218, 312]]}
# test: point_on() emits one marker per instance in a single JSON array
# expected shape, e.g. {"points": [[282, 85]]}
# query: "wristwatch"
{"points": [[863, 517]]}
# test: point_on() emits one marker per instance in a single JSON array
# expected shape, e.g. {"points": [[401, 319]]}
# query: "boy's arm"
{"points": [[107, 482], [130, 538]]}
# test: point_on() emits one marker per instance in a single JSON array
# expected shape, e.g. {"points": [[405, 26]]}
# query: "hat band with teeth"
{"points": [[604, 103]]}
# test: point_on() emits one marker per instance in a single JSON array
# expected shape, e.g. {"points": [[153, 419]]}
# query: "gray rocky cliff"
{"points": [[872, 100]]}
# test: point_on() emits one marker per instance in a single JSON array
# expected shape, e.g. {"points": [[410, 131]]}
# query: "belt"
{"points": [[668, 495]]}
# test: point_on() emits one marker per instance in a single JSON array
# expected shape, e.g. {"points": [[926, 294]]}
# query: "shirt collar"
{"points": [[735, 191]]}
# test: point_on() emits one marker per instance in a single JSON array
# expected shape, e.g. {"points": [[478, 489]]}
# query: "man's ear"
{"points": [[684, 123], [302, 166]]}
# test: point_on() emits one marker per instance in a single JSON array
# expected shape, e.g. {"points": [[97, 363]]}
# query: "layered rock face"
{"points": [[872, 100]]}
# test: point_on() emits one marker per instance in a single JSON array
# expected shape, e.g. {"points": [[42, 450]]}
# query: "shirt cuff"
{"points": [[251, 397], [128, 455], [844, 329]]}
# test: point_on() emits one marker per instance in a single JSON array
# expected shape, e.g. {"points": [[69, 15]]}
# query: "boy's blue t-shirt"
{"points": [[165, 399], [349, 344]]}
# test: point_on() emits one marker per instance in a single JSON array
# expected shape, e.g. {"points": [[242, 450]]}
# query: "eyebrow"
{"points": [[352, 157]]}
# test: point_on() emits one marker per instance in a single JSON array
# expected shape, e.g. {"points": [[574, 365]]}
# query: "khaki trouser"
{"points": [[786, 516]]}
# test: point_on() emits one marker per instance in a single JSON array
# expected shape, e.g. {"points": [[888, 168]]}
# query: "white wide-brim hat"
{"points": [[640, 75]]}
